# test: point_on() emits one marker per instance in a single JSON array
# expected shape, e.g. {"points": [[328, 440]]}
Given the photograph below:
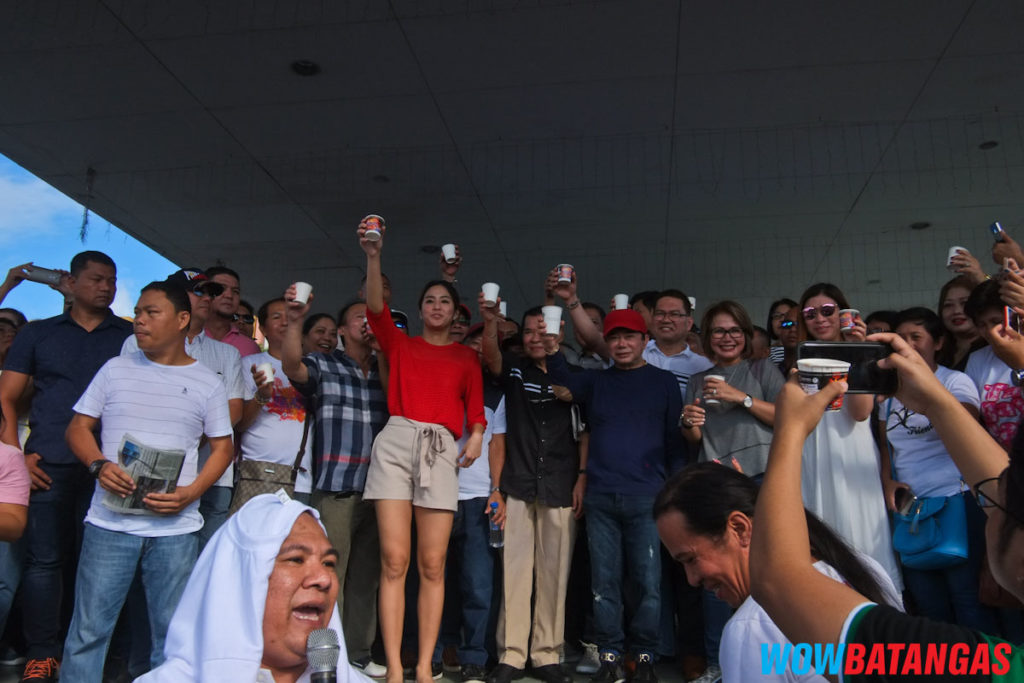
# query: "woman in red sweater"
{"points": [[434, 385]]}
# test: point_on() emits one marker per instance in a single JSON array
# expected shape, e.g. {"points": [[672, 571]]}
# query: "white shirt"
{"points": [[165, 406], [276, 432], [918, 454], [1002, 404], [682, 365], [475, 480], [224, 360]]}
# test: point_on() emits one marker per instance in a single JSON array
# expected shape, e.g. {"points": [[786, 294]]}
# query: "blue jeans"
{"points": [[468, 620], [105, 572], [622, 534], [951, 594], [12, 557], [51, 540], [716, 613], [213, 506]]}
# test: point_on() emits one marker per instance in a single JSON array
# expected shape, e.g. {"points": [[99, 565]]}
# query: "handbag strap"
{"points": [[302, 446]]}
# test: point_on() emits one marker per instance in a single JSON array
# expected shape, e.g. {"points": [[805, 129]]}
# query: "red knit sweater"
{"points": [[429, 383]]}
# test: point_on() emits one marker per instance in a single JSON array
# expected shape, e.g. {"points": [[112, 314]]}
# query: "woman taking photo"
{"points": [[433, 385], [810, 608], [841, 483], [965, 338], [731, 418], [705, 517], [923, 467]]}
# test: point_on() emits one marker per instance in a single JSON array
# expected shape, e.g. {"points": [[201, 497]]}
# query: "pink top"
{"points": [[14, 480], [245, 345]]}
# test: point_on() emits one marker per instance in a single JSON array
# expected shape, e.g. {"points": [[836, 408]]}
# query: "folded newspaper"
{"points": [[154, 470]]}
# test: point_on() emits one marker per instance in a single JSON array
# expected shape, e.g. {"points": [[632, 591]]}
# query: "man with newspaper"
{"points": [[152, 407]]}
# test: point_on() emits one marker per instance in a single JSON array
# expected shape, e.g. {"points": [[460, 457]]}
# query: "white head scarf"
{"points": [[216, 633]]}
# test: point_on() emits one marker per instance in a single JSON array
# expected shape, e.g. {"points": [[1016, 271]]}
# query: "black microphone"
{"points": [[322, 651]]}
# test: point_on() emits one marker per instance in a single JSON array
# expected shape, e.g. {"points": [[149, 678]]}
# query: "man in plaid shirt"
{"points": [[350, 408]]}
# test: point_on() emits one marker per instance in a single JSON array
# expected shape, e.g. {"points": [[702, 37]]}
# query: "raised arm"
{"points": [[291, 345], [492, 352], [568, 292], [374, 279]]}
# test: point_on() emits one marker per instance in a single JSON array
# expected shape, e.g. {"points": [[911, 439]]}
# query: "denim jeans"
{"points": [[716, 613], [468, 620], [105, 572], [12, 557], [51, 539], [951, 594], [213, 506], [622, 535]]}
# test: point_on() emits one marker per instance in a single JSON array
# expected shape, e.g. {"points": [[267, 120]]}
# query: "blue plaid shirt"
{"points": [[350, 411]]}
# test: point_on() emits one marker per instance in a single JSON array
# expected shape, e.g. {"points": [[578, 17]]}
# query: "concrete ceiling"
{"points": [[737, 149]]}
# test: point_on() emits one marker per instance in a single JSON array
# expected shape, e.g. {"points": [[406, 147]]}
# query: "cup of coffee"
{"points": [[449, 253], [268, 372], [302, 292], [712, 401], [490, 290], [552, 318], [949, 257], [814, 375], [374, 227], [503, 309], [621, 302], [565, 272], [848, 318]]}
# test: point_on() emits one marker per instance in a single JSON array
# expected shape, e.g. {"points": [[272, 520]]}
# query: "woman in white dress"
{"points": [[841, 478]]}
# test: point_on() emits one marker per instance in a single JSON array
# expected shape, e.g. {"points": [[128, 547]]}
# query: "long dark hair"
{"points": [[771, 311], [707, 493]]}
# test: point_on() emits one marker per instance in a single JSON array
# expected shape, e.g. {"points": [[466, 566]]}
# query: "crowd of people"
{"points": [[643, 483]]}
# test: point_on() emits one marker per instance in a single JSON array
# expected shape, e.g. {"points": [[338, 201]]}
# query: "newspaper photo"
{"points": [[154, 470]]}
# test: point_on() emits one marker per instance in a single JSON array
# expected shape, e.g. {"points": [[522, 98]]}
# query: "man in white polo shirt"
{"points": [[164, 399]]}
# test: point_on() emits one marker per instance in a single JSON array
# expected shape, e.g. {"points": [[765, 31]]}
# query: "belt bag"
{"points": [[259, 476], [933, 535]]}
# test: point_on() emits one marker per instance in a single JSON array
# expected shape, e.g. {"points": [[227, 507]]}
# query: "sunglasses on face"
{"points": [[825, 310], [786, 324], [210, 289], [246, 318]]}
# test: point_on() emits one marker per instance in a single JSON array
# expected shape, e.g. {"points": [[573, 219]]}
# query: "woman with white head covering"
{"points": [[262, 584]]}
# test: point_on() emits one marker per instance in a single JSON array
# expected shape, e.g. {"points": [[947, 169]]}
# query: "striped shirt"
{"points": [[350, 409], [682, 365]]}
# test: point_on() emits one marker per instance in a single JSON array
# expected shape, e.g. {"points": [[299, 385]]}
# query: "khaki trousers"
{"points": [[351, 525], [536, 558]]}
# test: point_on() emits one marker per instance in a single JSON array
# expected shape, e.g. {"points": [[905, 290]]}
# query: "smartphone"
{"points": [[865, 375], [998, 234], [1011, 320], [905, 501]]}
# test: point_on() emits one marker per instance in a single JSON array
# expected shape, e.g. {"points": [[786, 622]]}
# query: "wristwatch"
{"points": [[748, 402], [1017, 377], [96, 466]]}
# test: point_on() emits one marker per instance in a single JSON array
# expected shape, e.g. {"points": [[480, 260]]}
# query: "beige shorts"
{"points": [[414, 461]]}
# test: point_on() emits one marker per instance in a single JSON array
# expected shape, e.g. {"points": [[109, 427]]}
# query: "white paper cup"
{"points": [[503, 309], [621, 302], [815, 374], [374, 227], [302, 292], [268, 372], [449, 253], [951, 254], [552, 318], [712, 401], [490, 290]]}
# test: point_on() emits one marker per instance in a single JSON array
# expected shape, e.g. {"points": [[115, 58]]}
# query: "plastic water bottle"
{"points": [[497, 536]]}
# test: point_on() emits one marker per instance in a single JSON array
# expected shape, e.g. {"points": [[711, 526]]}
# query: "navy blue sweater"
{"points": [[634, 425]]}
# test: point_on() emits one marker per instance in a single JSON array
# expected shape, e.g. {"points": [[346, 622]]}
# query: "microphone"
{"points": [[322, 651]]}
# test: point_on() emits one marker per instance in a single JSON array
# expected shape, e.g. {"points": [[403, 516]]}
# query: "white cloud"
{"points": [[33, 207], [124, 300]]}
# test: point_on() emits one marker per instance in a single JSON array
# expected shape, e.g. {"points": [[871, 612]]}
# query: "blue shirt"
{"points": [[350, 411], [634, 425], [62, 357]]}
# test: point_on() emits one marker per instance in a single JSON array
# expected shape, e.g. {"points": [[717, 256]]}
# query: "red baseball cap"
{"points": [[624, 319]]}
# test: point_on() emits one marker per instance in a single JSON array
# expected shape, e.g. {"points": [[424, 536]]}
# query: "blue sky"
{"points": [[41, 225]]}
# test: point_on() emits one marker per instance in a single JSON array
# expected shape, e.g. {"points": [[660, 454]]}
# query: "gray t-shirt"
{"points": [[730, 430]]}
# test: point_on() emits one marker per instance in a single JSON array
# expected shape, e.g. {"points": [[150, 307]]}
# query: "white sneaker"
{"points": [[370, 667], [589, 663], [712, 674]]}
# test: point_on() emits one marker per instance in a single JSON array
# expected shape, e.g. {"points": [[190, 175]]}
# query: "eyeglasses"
{"points": [[246, 318], [719, 332], [826, 311], [778, 316], [672, 315], [786, 324], [460, 321], [877, 330]]}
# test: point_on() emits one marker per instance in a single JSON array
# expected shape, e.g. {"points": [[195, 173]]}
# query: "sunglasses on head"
{"points": [[246, 318], [826, 311]]}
